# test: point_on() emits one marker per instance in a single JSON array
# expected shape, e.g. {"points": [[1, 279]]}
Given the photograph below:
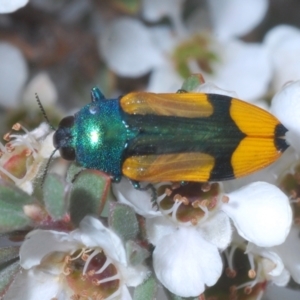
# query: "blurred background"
{"points": [[60, 49]]}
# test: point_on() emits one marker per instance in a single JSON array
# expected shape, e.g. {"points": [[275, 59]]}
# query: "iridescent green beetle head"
{"points": [[95, 137], [62, 138]]}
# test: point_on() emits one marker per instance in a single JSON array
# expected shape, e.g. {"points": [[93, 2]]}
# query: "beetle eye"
{"points": [[67, 153], [67, 122]]}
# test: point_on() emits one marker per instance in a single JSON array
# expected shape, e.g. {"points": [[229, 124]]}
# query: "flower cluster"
{"points": [[78, 236]]}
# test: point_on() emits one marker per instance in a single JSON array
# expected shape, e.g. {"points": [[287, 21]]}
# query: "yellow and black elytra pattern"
{"points": [[171, 137], [230, 139]]}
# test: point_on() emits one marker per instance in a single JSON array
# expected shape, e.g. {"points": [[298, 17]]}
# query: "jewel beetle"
{"points": [[171, 137]]}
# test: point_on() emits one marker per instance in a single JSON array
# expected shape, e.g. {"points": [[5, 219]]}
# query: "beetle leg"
{"points": [[116, 178], [181, 91], [149, 186]]}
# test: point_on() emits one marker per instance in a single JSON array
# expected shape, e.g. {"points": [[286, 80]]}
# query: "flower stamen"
{"points": [[6, 136], [225, 199], [89, 260], [175, 209], [111, 278], [252, 283], [17, 126], [230, 271], [67, 271], [105, 265]]}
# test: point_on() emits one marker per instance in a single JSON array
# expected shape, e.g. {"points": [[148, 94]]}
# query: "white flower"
{"points": [[236, 17], [242, 67], [186, 259], [270, 266], [87, 262], [239, 66], [276, 264], [132, 54], [260, 212], [283, 45], [43, 86], [175, 259], [265, 265], [289, 253], [13, 74], [8, 6], [23, 155]]}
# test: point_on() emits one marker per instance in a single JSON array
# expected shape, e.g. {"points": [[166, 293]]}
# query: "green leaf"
{"points": [[122, 219], [54, 196], [12, 202], [7, 276], [147, 290], [192, 82], [135, 253], [110, 198], [88, 194], [7, 254]]}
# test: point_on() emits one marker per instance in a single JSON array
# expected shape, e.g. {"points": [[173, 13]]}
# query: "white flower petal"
{"points": [[127, 47], [236, 17], [269, 254], [164, 39], [184, 262], [13, 74], [8, 6], [283, 45], [164, 79], [33, 285], [157, 228], [140, 201], [45, 89], [217, 230], [273, 268], [134, 276], [211, 88], [155, 10], [48, 147], [244, 68], [282, 279], [286, 107], [289, 253], [125, 293], [92, 233], [261, 213], [40, 243], [274, 292]]}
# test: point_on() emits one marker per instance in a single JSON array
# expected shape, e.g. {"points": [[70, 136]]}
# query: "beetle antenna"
{"points": [[43, 111], [47, 167]]}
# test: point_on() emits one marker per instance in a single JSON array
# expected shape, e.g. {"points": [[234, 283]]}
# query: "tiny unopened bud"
{"points": [[205, 187], [252, 274], [168, 192], [248, 290], [225, 199], [230, 273], [16, 126], [177, 197], [6, 137]]}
